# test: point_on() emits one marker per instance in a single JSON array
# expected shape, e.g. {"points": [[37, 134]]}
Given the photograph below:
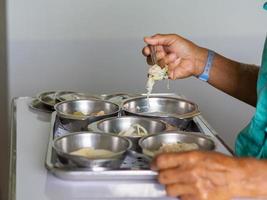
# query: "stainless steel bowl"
{"points": [[115, 125], [47, 98], [175, 111], [152, 143], [71, 95], [72, 122], [68, 143]]}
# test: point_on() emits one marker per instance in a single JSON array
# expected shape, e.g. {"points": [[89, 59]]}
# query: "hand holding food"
{"points": [[182, 56], [210, 175]]}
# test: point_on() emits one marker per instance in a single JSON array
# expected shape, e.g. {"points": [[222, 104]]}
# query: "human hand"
{"points": [[200, 175], [184, 58]]}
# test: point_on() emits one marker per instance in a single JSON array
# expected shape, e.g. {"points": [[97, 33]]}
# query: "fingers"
{"points": [[146, 51], [161, 39], [160, 54], [179, 189], [172, 160], [159, 51], [169, 58], [159, 57], [176, 175]]}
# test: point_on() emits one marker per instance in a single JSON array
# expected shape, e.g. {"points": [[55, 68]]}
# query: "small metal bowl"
{"points": [[152, 143], [115, 125], [71, 95], [36, 105], [47, 98], [175, 111], [68, 143], [71, 122]]}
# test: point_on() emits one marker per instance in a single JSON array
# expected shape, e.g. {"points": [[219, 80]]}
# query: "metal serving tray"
{"points": [[132, 169]]}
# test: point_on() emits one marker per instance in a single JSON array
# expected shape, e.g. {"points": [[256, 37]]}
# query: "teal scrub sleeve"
{"points": [[252, 141]]}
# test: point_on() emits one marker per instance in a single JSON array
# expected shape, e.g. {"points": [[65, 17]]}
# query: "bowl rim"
{"points": [[94, 125], [191, 114], [68, 155], [63, 92], [194, 134], [112, 95], [40, 96], [84, 117]]}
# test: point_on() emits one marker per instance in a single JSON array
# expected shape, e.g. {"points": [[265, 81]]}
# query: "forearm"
{"points": [[234, 78]]}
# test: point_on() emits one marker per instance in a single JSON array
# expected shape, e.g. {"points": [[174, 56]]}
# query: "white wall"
{"points": [[95, 46]]}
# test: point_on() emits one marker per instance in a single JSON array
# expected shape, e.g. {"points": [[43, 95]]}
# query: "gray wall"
{"points": [[3, 106], [95, 46]]}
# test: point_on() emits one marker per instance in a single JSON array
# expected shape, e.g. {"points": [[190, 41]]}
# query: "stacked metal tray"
{"points": [[132, 168]]}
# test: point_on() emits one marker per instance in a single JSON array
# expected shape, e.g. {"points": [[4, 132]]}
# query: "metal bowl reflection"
{"points": [[67, 112], [115, 125], [68, 143], [153, 143], [175, 111]]}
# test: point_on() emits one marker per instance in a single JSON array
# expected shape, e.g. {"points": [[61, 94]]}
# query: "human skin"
{"points": [[197, 175], [185, 59], [208, 175]]}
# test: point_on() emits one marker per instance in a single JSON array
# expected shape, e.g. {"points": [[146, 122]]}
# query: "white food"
{"points": [[155, 73], [172, 148], [177, 147], [92, 153], [134, 130]]}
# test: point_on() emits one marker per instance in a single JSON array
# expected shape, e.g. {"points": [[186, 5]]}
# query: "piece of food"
{"points": [[172, 148], [155, 73], [134, 130], [177, 147], [77, 113], [92, 153], [98, 113]]}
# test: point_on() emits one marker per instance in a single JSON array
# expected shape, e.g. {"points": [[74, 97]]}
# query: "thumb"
{"points": [[160, 39]]}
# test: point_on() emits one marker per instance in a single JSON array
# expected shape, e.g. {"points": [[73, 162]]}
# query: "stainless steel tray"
{"points": [[132, 169]]}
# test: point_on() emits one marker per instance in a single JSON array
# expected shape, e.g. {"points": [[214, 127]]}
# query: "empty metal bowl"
{"points": [[152, 143], [47, 98], [175, 111], [115, 125], [68, 143], [71, 121]]}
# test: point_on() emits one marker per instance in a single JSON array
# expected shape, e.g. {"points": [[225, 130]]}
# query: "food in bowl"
{"points": [[99, 113], [92, 153], [135, 130], [172, 148]]}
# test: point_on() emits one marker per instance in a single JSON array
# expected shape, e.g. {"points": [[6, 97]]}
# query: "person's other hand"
{"points": [[183, 57], [200, 175]]}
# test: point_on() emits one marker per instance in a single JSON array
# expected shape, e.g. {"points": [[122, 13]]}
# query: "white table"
{"points": [[31, 181]]}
